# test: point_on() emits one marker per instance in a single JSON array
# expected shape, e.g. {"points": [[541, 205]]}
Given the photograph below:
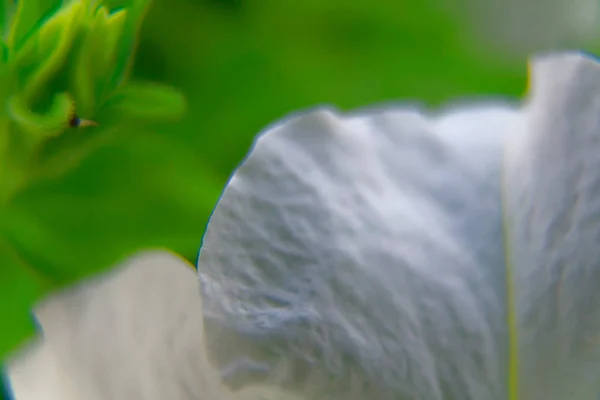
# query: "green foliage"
{"points": [[138, 102], [65, 66]]}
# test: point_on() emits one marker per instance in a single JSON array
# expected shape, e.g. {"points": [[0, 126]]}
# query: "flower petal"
{"points": [[133, 334], [361, 255], [552, 186]]}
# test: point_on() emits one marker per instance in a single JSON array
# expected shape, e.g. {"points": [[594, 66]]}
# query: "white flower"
{"points": [[388, 254], [396, 254], [134, 333]]}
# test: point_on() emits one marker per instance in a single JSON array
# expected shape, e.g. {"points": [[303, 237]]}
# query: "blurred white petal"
{"points": [[552, 185], [38, 375], [134, 334]]}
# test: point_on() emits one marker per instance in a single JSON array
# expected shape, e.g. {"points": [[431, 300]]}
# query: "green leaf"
{"points": [[5, 6], [66, 65], [3, 53], [6, 10], [105, 47], [27, 17], [53, 41], [136, 12], [144, 101], [20, 287], [50, 123], [96, 58], [141, 190]]}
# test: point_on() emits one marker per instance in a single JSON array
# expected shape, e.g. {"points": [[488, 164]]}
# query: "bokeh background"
{"points": [[244, 64]]}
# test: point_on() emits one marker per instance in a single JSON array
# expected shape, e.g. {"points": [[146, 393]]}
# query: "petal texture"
{"points": [[361, 255], [134, 334], [552, 187]]}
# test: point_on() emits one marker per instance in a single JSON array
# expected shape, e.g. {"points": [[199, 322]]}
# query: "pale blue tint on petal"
{"points": [[360, 256], [553, 211]]}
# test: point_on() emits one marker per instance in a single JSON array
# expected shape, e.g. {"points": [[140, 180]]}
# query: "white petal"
{"points": [[39, 375], [553, 211], [361, 255], [135, 334]]}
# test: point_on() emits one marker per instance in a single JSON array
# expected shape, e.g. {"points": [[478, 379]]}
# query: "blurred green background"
{"points": [[242, 65]]}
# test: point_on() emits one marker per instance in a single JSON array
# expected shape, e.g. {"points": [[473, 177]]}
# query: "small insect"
{"points": [[76, 122]]}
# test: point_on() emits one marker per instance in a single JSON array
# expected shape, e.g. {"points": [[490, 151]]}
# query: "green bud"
{"points": [[64, 65], [125, 48], [52, 43], [96, 58], [35, 64]]}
